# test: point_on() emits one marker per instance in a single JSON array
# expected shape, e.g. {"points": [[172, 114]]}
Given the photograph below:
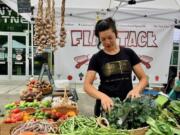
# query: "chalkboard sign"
{"points": [[24, 6]]}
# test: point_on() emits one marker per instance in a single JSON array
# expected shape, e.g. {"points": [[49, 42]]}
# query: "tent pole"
{"points": [[32, 50], [148, 17], [81, 17], [27, 51], [153, 16], [83, 13], [165, 13], [178, 68]]}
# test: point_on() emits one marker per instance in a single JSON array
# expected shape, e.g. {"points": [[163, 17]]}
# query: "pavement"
{"points": [[10, 89]]}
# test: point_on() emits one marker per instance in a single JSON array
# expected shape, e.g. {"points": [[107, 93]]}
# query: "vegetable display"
{"points": [[37, 127], [59, 116], [132, 114], [174, 107], [97, 131], [83, 125], [167, 122], [35, 90], [76, 123], [24, 104], [24, 111], [158, 127]]}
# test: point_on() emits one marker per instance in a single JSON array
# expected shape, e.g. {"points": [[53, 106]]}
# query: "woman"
{"points": [[114, 64]]}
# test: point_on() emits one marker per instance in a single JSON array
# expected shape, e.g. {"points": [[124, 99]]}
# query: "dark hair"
{"points": [[103, 25]]}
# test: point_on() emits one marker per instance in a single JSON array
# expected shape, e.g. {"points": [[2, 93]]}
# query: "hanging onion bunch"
{"points": [[62, 30]]}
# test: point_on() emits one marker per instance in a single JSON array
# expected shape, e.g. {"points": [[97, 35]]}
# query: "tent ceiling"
{"points": [[154, 4], [104, 4], [155, 9], [95, 4]]}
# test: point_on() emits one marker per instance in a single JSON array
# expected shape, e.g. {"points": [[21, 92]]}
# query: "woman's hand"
{"points": [[133, 94], [138, 88], [106, 103]]}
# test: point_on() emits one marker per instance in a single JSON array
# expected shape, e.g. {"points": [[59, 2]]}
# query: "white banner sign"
{"points": [[152, 42]]}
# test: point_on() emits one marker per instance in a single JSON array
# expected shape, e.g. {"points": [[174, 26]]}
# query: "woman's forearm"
{"points": [[141, 85], [92, 91]]}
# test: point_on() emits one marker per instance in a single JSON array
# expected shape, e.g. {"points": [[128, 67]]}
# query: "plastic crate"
{"points": [[151, 92]]}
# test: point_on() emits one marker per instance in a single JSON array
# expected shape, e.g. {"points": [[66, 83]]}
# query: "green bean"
{"points": [[82, 125]]}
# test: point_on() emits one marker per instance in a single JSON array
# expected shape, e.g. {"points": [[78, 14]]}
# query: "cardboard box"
{"points": [[5, 128]]}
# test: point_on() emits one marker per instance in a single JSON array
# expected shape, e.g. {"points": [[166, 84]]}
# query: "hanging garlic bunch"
{"points": [[39, 36], [52, 37], [48, 26], [45, 33], [62, 30]]}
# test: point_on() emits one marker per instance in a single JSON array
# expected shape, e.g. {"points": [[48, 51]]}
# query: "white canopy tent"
{"points": [[164, 10], [146, 11]]}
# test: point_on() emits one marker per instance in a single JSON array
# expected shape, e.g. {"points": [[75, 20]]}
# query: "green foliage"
{"points": [[174, 107], [159, 127], [132, 113], [83, 125], [167, 122]]}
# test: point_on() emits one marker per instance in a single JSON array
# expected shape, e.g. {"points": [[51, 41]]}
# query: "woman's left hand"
{"points": [[133, 94]]}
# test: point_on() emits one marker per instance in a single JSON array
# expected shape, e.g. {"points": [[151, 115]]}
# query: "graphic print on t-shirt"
{"points": [[116, 67]]}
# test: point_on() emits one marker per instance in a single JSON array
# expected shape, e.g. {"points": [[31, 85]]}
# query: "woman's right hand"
{"points": [[106, 103]]}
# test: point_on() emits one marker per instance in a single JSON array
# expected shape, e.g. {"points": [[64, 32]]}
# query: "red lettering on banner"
{"points": [[126, 38], [151, 39], [123, 36], [83, 37], [142, 39], [76, 36], [132, 39], [88, 38]]}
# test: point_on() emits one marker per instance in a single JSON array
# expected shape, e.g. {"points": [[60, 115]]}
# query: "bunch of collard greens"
{"points": [[134, 112], [166, 124], [174, 107], [168, 121]]}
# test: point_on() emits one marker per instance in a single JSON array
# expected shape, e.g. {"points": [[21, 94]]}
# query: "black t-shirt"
{"points": [[114, 71]]}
